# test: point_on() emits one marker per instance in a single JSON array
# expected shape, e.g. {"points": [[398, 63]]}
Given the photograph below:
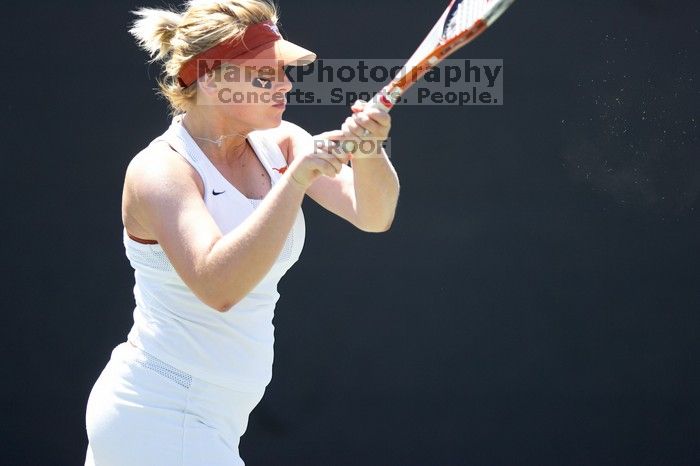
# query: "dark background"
{"points": [[535, 302]]}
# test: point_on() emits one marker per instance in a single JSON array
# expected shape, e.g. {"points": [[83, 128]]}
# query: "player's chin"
{"points": [[277, 110], [272, 116]]}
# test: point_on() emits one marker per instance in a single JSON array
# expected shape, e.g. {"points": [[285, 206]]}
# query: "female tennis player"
{"points": [[212, 221]]}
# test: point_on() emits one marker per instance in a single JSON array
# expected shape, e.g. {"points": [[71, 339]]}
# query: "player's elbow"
{"points": [[377, 227], [212, 287], [381, 221], [375, 230], [214, 298], [224, 306], [386, 227], [221, 304]]}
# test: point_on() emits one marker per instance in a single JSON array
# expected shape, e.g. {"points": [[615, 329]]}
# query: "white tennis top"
{"points": [[235, 348]]}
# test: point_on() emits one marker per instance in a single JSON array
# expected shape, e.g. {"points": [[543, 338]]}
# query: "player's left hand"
{"points": [[366, 123]]}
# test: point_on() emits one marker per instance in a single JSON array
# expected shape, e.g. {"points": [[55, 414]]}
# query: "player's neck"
{"points": [[219, 138]]}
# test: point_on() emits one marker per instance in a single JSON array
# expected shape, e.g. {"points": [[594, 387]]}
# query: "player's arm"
{"points": [[365, 194]]}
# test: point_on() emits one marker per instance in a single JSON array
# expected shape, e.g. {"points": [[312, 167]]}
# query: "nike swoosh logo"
{"points": [[280, 170], [215, 193]]}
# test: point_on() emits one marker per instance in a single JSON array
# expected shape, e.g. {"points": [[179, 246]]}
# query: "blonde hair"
{"points": [[175, 37]]}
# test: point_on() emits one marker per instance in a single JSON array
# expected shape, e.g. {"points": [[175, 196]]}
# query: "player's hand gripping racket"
{"points": [[462, 22]]}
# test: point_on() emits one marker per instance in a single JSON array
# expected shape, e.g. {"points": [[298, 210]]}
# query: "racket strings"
{"points": [[463, 15]]}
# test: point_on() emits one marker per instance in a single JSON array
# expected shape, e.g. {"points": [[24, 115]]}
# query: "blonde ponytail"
{"points": [[154, 31]]}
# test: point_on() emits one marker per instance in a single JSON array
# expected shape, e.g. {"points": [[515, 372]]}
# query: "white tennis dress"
{"points": [[180, 390]]}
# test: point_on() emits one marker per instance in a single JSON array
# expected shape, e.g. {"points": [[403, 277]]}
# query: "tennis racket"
{"points": [[461, 23]]}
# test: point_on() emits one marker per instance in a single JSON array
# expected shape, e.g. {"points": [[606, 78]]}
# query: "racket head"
{"points": [[462, 22]]}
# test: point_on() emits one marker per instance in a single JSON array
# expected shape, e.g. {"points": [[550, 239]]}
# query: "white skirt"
{"points": [[144, 412]]}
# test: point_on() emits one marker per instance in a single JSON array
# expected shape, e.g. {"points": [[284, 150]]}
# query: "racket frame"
{"points": [[391, 93]]}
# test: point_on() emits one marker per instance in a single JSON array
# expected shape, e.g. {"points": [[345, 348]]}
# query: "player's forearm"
{"points": [[240, 259], [376, 192]]}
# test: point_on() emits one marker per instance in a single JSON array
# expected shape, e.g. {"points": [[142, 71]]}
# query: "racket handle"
{"points": [[382, 101]]}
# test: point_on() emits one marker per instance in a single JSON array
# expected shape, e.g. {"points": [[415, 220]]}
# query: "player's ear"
{"points": [[208, 84]]}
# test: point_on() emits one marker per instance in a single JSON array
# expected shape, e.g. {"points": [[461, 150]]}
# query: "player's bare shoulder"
{"points": [[159, 167], [155, 177]]}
